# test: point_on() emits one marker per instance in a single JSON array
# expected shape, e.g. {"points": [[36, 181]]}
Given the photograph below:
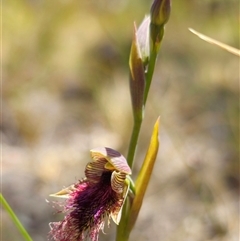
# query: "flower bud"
{"points": [[137, 77], [143, 40], [160, 12]]}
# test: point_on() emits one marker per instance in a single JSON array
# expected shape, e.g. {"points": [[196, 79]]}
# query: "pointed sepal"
{"points": [[64, 193]]}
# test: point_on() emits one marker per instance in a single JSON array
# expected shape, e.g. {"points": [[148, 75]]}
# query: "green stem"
{"points": [[149, 73], [122, 230], [138, 118], [122, 233], [134, 140], [131, 185], [14, 218], [156, 33]]}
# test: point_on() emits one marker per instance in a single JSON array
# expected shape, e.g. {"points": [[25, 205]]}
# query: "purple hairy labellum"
{"points": [[98, 197]]}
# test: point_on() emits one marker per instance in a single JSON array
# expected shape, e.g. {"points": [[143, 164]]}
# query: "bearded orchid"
{"points": [[93, 200]]}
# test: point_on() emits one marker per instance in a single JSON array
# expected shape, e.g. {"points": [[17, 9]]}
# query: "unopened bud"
{"points": [[137, 77], [160, 11], [143, 40]]}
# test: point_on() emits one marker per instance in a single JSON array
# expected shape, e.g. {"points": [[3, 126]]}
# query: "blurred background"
{"points": [[66, 91]]}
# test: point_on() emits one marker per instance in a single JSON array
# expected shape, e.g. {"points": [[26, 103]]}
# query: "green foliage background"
{"points": [[65, 91]]}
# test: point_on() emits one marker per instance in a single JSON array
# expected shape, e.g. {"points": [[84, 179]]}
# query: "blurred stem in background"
{"points": [[145, 47], [14, 218]]}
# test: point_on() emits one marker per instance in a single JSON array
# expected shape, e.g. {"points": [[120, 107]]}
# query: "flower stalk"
{"points": [[137, 87], [143, 55], [159, 14], [145, 48]]}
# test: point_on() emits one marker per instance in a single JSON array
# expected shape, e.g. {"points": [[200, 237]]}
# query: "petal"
{"points": [[115, 158], [143, 39], [116, 214], [64, 193], [94, 169], [118, 181]]}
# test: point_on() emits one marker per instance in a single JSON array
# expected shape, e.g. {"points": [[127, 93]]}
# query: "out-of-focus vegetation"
{"points": [[66, 91]]}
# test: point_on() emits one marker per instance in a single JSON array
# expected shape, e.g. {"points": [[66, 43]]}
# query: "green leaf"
{"points": [[144, 175]]}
